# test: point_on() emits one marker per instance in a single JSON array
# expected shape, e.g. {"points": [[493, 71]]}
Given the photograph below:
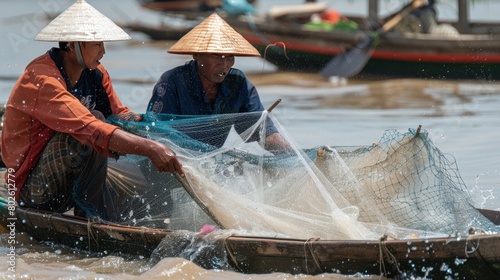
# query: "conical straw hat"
{"points": [[81, 23], [214, 35]]}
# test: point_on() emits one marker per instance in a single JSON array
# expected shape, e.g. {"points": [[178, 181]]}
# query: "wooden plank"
{"points": [[479, 255], [492, 215]]}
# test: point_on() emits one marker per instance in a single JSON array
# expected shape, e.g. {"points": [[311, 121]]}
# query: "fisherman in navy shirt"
{"points": [[208, 84], [181, 90]]}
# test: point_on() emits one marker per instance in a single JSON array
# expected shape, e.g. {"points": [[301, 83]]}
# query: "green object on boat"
{"points": [[347, 25]]}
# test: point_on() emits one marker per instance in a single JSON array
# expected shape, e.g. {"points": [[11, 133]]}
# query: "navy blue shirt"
{"points": [[180, 91]]}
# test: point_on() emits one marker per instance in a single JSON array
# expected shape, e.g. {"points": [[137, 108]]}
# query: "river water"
{"points": [[462, 117]]}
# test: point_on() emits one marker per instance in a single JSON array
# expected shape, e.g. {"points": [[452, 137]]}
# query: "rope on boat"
{"points": [[91, 235], [309, 244], [386, 255], [230, 253], [475, 230], [143, 235], [473, 248]]}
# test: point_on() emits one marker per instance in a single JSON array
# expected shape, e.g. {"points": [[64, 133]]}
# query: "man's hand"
{"points": [[165, 160]]}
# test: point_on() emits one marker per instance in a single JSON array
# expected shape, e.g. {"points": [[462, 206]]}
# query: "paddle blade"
{"points": [[350, 63]]}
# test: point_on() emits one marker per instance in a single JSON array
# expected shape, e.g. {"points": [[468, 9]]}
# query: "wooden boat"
{"points": [[160, 32], [173, 5], [169, 6], [475, 256], [472, 257], [288, 43], [471, 54], [407, 55]]}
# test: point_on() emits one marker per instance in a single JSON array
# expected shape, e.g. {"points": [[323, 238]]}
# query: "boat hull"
{"points": [[170, 5], [472, 257], [437, 258]]}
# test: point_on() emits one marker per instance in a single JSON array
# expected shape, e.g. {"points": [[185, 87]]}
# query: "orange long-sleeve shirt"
{"points": [[39, 105]]}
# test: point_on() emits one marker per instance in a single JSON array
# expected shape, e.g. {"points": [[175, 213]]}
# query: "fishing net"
{"points": [[238, 177]]}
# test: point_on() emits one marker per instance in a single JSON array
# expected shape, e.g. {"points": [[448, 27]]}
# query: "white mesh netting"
{"points": [[238, 180]]}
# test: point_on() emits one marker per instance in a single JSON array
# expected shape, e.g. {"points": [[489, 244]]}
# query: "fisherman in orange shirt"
{"points": [[55, 141]]}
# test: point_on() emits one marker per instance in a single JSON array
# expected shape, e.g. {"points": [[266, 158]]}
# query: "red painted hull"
{"points": [[417, 55]]}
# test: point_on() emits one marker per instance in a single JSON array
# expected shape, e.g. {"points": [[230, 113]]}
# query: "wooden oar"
{"points": [[352, 62], [274, 105]]}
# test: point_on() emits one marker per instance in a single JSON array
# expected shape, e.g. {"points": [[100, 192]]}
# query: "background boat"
{"points": [[179, 5], [293, 47], [458, 50]]}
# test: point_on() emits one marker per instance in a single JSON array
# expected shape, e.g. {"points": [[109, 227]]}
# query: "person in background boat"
{"points": [[427, 14], [421, 20], [208, 84], [55, 141], [424, 20]]}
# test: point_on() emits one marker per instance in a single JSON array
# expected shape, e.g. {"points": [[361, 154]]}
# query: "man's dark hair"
{"points": [[64, 46]]}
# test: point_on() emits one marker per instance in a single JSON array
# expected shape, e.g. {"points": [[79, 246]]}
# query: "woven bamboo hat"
{"points": [[81, 23], [214, 35]]}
